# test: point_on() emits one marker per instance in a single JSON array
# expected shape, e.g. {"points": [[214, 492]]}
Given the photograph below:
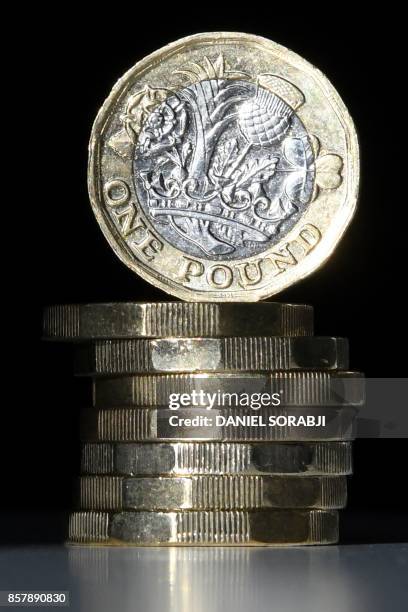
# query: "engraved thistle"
{"points": [[224, 165]]}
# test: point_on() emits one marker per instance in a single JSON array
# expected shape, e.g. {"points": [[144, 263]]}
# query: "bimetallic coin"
{"points": [[294, 388], [183, 458], [189, 528], [107, 357], [80, 322], [221, 425], [238, 492], [223, 167]]}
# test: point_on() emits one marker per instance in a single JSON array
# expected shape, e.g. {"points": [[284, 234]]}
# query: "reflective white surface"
{"points": [[331, 579]]}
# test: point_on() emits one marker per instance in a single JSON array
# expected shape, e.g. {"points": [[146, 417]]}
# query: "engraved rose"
{"points": [[138, 108], [328, 168], [163, 128]]}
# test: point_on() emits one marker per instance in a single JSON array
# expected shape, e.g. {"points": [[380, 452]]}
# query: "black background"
{"points": [[69, 66]]}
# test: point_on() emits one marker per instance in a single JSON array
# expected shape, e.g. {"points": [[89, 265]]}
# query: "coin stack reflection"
{"points": [[211, 424]]}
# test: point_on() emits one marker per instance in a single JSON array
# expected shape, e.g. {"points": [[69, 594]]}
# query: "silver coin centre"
{"points": [[223, 168]]}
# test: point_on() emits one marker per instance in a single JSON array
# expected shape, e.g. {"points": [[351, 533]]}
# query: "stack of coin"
{"points": [[212, 424]]}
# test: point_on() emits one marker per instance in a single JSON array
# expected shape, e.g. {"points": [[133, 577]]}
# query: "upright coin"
{"points": [[223, 167], [81, 322], [111, 357]]}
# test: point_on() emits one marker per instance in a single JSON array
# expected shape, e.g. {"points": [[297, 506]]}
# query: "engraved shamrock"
{"points": [[304, 156], [328, 167]]}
